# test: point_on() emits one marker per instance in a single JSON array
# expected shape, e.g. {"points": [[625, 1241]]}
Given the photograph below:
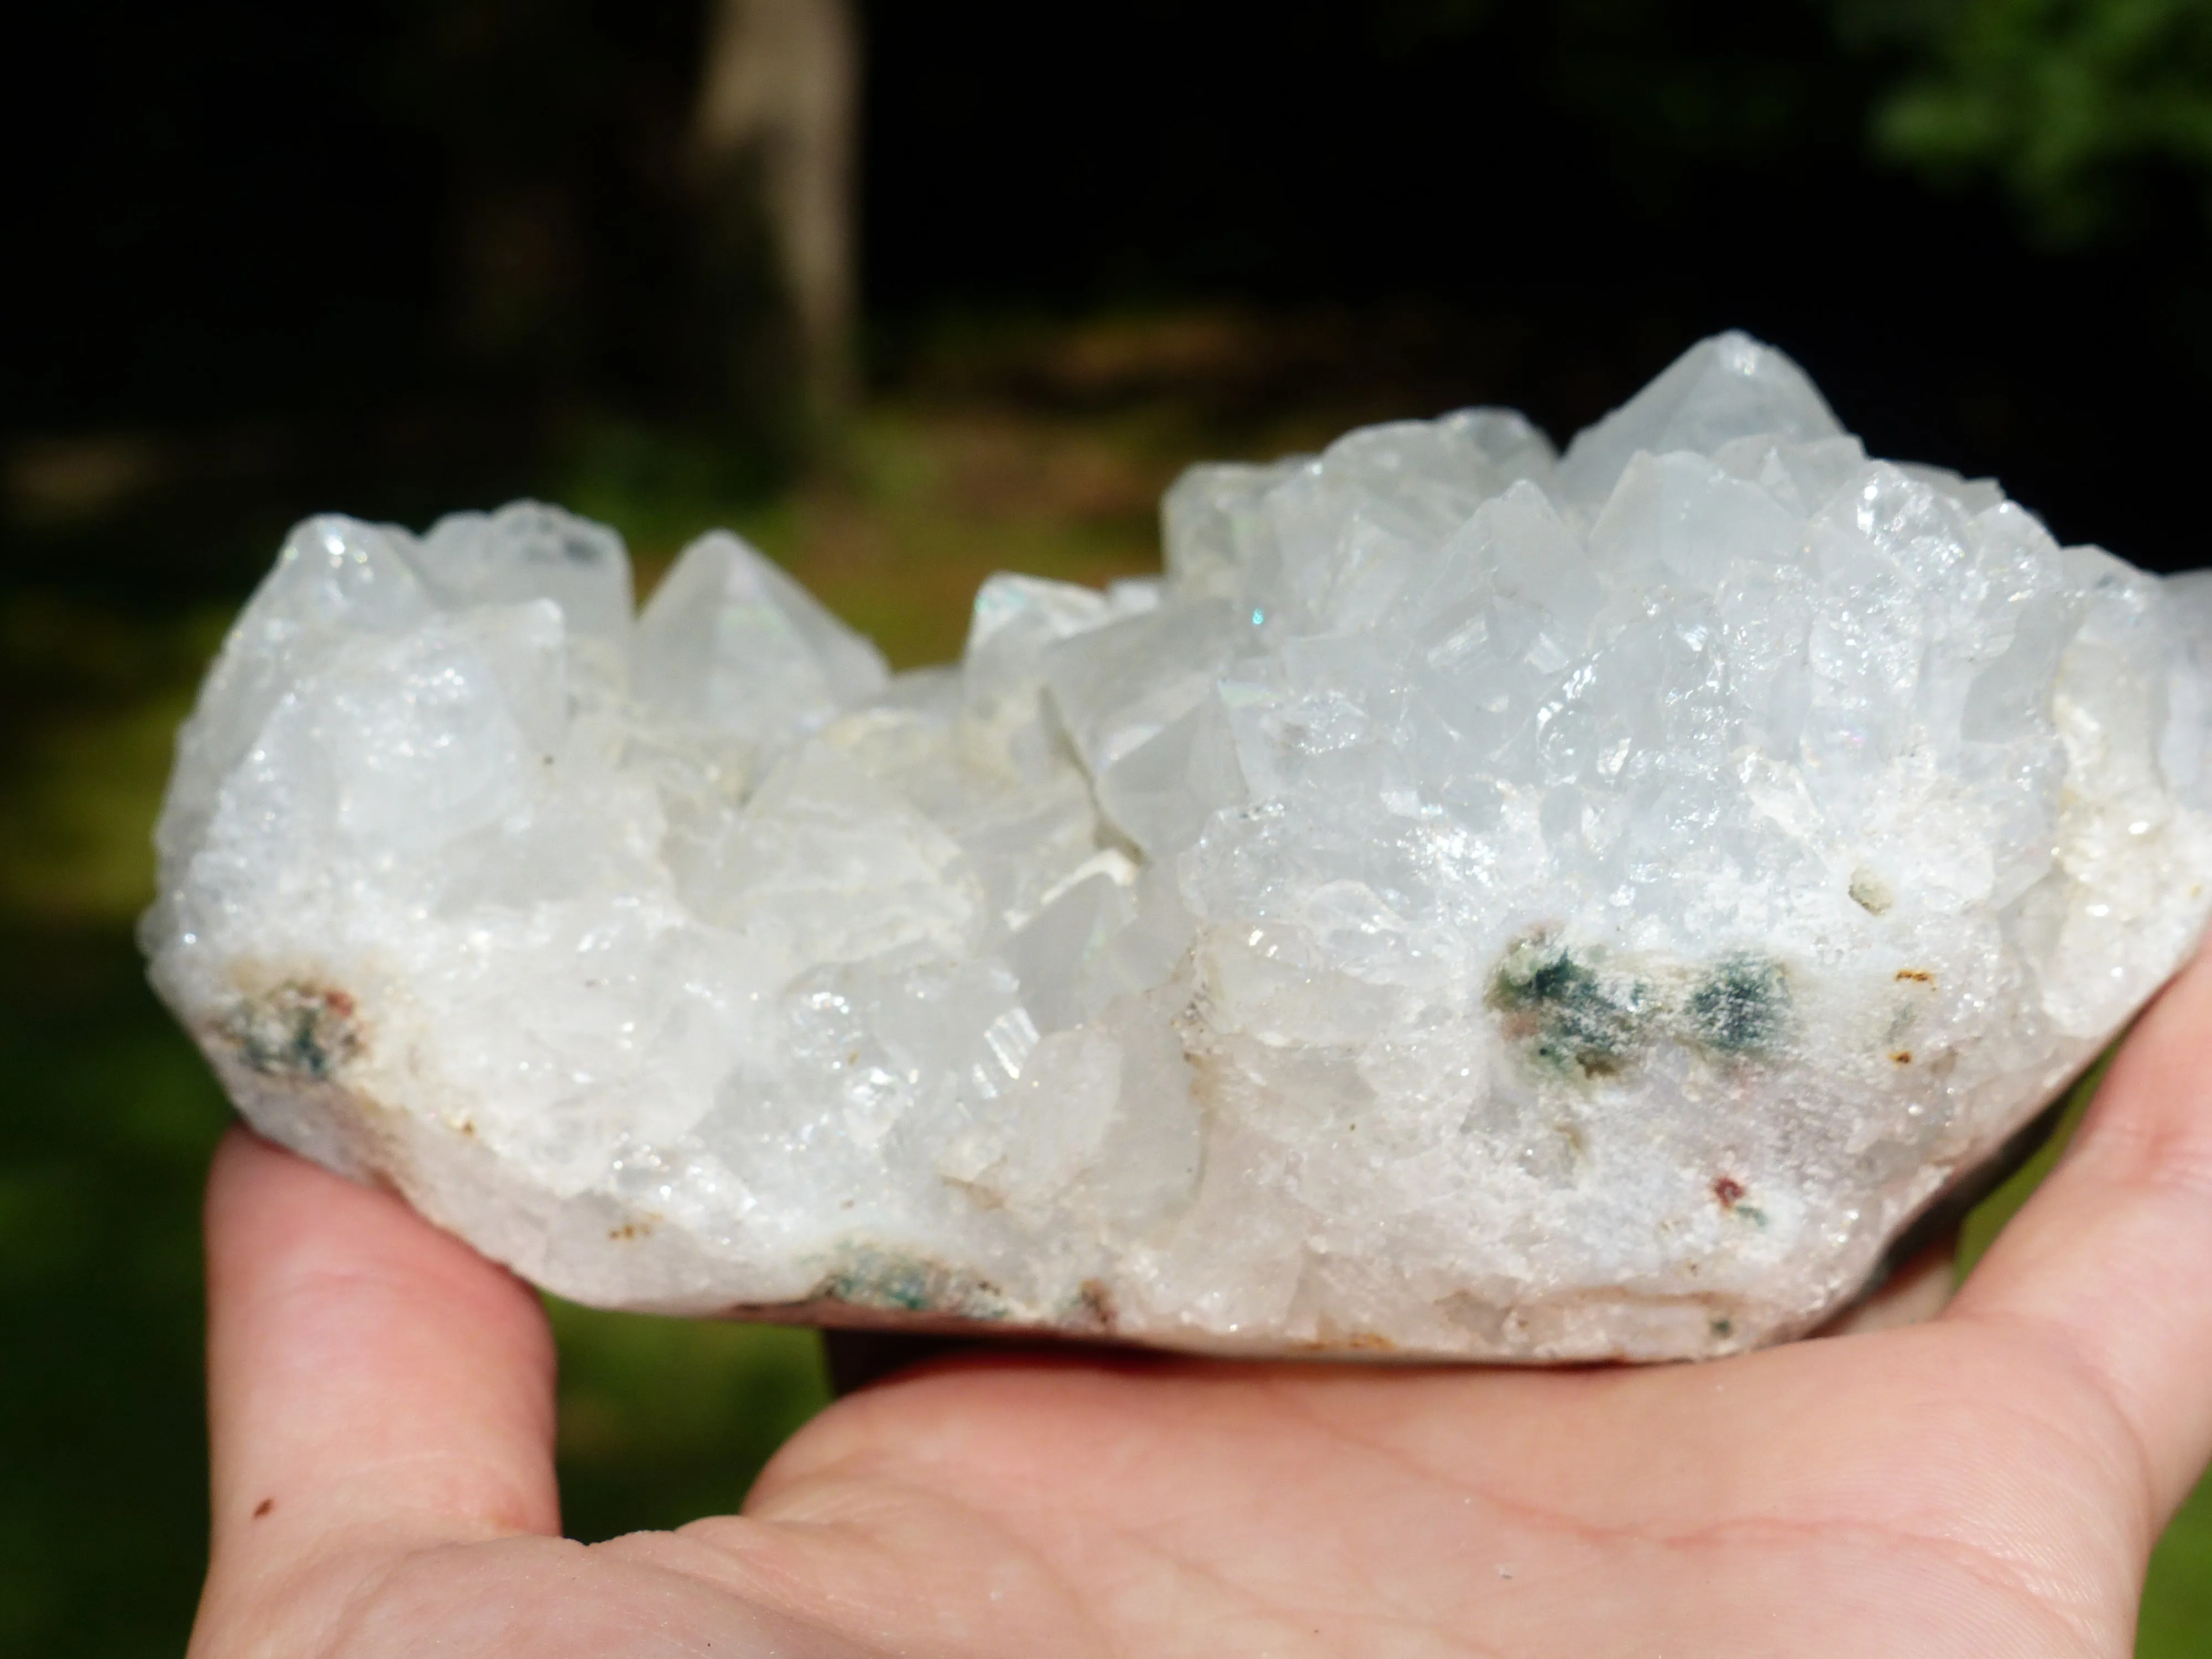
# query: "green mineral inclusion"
{"points": [[1574, 1014], [1582, 1021], [1741, 1007], [888, 1282], [294, 1031], [894, 1281]]}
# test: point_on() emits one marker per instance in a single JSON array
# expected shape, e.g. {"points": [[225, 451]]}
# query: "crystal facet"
{"points": [[1478, 904]]}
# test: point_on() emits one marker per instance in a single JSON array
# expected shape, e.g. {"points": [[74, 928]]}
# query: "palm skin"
{"points": [[1988, 1483]]}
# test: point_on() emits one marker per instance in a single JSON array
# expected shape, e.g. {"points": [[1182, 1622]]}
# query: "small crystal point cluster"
{"points": [[1479, 903]]}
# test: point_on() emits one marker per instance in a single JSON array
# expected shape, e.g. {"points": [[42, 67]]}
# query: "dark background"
{"points": [[419, 237], [396, 258]]}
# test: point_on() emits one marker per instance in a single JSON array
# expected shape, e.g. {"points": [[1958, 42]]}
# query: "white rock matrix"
{"points": [[1478, 904]]}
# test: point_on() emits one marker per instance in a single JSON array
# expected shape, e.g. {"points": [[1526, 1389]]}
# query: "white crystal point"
{"points": [[1477, 905], [733, 643], [1726, 388], [528, 551]]}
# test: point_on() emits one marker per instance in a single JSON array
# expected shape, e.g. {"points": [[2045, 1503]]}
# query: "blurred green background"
{"points": [[395, 258]]}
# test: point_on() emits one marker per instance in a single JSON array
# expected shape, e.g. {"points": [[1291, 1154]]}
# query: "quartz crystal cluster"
{"points": [[1478, 903]]}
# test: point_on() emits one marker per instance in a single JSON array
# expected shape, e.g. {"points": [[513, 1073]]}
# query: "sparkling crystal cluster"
{"points": [[1480, 902]]}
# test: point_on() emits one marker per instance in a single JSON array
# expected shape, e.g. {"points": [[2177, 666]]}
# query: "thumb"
{"points": [[2106, 1267], [375, 1388]]}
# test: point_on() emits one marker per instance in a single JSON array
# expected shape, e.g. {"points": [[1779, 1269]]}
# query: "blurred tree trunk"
{"points": [[778, 111]]}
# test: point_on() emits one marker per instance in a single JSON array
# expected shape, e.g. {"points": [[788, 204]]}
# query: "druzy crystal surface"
{"points": [[1479, 903]]}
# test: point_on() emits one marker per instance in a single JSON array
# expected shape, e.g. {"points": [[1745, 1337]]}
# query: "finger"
{"points": [[1917, 1291], [373, 1384], [2109, 1264]]}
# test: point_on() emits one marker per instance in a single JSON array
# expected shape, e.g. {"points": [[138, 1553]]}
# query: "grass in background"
{"points": [[111, 1113], [663, 1420], [110, 1118]]}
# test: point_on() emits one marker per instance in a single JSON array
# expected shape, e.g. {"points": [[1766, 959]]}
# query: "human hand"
{"points": [[1989, 1483]]}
